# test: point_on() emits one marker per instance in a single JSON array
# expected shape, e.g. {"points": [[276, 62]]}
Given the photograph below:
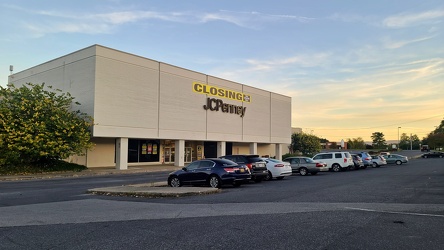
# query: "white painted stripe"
{"points": [[391, 212]]}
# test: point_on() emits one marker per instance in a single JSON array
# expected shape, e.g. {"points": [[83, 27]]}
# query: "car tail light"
{"points": [[319, 165], [345, 160], [231, 170], [249, 165], [279, 165]]}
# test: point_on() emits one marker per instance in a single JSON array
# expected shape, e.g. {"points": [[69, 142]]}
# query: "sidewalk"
{"points": [[92, 172], [154, 190]]}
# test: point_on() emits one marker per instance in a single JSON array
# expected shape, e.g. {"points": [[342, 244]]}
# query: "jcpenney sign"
{"points": [[214, 104]]}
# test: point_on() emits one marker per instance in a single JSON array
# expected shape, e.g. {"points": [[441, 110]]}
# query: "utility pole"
{"points": [[398, 139]]}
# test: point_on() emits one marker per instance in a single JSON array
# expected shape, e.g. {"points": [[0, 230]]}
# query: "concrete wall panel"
{"points": [[103, 154], [126, 95], [280, 118], [181, 109], [70, 73], [256, 124]]}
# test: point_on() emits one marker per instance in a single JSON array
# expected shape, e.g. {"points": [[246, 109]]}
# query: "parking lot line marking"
{"points": [[391, 212]]}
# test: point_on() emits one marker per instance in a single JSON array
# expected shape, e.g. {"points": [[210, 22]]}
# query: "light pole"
{"points": [[398, 137]]}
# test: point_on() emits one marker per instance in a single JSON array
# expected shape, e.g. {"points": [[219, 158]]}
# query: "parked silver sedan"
{"points": [[396, 159], [304, 165], [378, 160]]}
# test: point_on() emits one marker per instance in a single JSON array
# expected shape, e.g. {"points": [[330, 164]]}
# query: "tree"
{"points": [[415, 142], [407, 142], [307, 144], [435, 139], [38, 125], [356, 143], [378, 140]]}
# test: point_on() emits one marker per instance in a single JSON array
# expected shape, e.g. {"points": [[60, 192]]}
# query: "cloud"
{"points": [[69, 22], [307, 60], [413, 19], [389, 44]]}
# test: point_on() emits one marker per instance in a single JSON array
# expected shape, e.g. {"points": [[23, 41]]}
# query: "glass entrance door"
{"points": [[169, 155], [188, 154]]}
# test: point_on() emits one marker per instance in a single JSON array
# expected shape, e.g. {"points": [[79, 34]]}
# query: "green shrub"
{"points": [[43, 166], [290, 155]]}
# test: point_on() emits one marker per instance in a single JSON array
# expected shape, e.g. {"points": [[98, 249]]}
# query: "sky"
{"points": [[352, 68]]}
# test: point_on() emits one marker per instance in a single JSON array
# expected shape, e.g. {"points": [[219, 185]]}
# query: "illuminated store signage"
{"points": [[206, 89], [214, 104]]}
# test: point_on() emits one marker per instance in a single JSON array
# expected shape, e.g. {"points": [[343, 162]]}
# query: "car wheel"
{"points": [[336, 168], [269, 176], [303, 171], [425, 156], [174, 182], [398, 162], [280, 177], [440, 156], [374, 164], [314, 173], [214, 181]]}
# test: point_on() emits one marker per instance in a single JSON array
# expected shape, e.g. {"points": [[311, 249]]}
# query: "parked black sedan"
{"points": [[433, 155], [212, 172]]}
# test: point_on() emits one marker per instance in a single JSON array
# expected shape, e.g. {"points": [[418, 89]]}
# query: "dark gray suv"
{"points": [[257, 166]]}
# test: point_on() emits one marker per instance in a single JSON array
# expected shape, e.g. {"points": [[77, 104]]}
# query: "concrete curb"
{"points": [[153, 190], [86, 173]]}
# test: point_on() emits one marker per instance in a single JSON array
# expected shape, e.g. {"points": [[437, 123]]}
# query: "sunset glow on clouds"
{"points": [[351, 68]]}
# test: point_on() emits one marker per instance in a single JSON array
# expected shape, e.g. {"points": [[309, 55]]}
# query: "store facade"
{"points": [[148, 112]]}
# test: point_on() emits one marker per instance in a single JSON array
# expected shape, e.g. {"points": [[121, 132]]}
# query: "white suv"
{"points": [[336, 161]]}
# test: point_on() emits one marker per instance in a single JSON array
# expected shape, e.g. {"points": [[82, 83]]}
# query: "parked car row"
{"points": [[435, 154], [238, 169]]}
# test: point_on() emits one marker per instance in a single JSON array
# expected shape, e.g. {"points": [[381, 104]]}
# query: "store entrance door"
{"points": [[169, 155], [188, 154]]}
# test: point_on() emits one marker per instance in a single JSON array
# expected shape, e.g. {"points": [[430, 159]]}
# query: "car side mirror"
{"points": [[184, 169]]}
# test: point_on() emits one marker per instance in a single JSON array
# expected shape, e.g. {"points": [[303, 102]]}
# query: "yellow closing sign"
{"points": [[206, 89]]}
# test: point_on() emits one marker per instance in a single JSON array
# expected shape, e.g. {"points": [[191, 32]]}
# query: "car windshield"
{"points": [[309, 160], [254, 158], [274, 160], [226, 163]]}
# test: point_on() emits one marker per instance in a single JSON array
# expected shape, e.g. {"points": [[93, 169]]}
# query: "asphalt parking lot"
{"points": [[392, 207]]}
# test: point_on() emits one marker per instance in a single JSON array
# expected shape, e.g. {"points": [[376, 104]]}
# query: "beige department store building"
{"points": [[149, 112]]}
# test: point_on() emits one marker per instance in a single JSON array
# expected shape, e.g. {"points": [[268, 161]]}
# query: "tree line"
{"points": [[308, 144]]}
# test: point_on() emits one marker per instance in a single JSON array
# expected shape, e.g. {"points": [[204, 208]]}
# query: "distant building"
{"points": [[296, 130], [334, 145]]}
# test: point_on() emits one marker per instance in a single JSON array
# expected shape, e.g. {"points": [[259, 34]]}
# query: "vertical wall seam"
{"points": [[271, 122], [206, 113], [242, 131], [158, 105]]}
